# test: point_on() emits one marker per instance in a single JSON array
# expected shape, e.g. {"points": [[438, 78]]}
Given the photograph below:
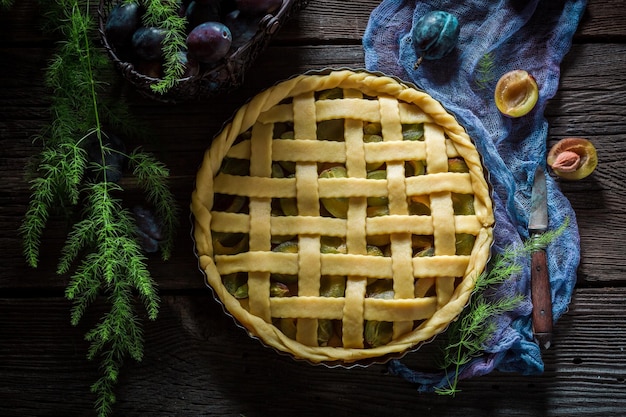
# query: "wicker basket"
{"points": [[224, 77]]}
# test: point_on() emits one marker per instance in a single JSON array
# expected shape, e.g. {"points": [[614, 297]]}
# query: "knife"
{"points": [[540, 281]]}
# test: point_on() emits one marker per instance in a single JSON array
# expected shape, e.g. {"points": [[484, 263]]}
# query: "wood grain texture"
{"points": [[197, 362], [323, 21]]}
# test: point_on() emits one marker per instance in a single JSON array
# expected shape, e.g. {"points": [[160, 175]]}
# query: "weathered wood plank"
{"points": [[601, 20], [590, 104], [321, 20], [197, 362]]}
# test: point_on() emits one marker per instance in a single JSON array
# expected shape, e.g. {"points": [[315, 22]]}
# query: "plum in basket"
{"points": [[209, 42]]}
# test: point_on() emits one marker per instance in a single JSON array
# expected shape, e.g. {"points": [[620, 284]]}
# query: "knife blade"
{"points": [[541, 295]]}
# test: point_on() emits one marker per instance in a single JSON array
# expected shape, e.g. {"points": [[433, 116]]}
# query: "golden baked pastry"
{"points": [[342, 217]]}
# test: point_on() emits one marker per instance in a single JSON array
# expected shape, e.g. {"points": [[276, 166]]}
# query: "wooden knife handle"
{"points": [[541, 298]]}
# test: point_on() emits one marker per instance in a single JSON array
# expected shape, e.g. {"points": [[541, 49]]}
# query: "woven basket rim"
{"points": [[234, 65]]}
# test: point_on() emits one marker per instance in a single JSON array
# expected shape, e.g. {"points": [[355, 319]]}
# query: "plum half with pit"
{"points": [[209, 42], [573, 158]]}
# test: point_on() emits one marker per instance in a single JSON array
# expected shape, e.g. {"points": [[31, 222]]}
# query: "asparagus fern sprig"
{"points": [[469, 335], [485, 71], [164, 14], [150, 174], [102, 252], [477, 325]]}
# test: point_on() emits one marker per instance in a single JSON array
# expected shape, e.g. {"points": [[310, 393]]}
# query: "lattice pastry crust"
{"points": [[343, 216]]}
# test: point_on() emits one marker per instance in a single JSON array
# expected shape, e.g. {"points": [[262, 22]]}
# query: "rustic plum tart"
{"points": [[342, 216]]}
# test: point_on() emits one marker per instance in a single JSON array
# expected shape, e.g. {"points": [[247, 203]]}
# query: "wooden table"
{"points": [[197, 362]]}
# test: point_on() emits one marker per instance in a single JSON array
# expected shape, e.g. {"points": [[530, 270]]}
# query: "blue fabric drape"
{"points": [[496, 36]]}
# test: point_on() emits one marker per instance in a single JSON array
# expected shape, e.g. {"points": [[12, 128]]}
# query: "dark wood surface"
{"points": [[197, 362]]}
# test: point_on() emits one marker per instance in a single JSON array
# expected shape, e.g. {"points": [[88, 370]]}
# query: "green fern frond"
{"points": [[485, 71], [164, 14], [83, 288], [82, 233], [101, 252], [35, 220], [60, 171], [476, 326], [75, 159], [152, 176], [120, 267], [103, 389]]}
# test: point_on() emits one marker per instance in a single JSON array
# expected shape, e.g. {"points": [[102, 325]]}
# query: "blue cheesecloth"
{"points": [[496, 36]]}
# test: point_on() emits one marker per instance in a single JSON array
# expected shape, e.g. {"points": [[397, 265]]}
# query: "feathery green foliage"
{"points": [[485, 71], [150, 174], [101, 251], [164, 14], [476, 326]]}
